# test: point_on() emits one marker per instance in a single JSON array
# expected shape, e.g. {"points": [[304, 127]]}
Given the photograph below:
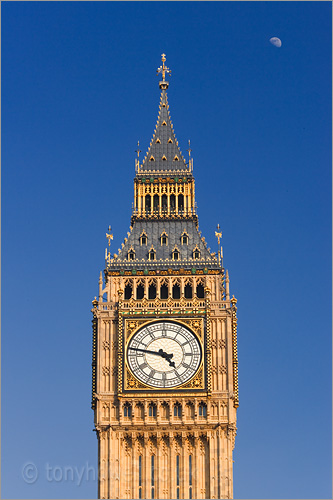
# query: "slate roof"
{"points": [[174, 231], [167, 148]]}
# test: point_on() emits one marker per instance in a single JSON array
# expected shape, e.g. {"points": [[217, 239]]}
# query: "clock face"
{"points": [[164, 354]]}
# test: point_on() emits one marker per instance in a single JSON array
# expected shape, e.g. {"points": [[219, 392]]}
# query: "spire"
{"points": [[163, 153]]}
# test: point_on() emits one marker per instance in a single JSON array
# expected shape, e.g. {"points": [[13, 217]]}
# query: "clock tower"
{"points": [[164, 367]]}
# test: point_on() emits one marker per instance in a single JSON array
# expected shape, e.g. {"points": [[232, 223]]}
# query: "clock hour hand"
{"points": [[160, 352]]}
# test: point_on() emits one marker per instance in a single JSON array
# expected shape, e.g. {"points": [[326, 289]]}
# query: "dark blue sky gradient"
{"points": [[79, 89]]}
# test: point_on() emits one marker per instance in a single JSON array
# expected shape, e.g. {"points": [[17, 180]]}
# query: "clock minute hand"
{"points": [[146, 350], [160, 352]]}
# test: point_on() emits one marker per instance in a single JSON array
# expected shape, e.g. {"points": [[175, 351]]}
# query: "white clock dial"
{"points": [[164, 354]]}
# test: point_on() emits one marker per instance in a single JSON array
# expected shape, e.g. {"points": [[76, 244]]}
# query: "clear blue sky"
{"points": [[79, 89]]}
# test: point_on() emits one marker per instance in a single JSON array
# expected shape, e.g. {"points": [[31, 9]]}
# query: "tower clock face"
{"points": [[164, 354]]}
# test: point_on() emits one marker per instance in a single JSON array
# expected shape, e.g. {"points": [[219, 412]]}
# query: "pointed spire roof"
{"points": [[163, 153]]}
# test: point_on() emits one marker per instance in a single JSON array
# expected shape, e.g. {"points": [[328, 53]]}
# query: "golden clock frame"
{"points": [[198, 322]]}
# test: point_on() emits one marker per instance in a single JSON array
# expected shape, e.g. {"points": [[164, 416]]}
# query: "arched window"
{"points": [[180, 202], [164, 291], [200, 291], [152, 254], [188, 291], [156, 202], [164, 238], [172, 202], [202, 410], [196, 253], [176, 291], [131, 254], [165, 410], [184, 238], [175, 254], [127, 410], [128, 292], [152, 410], [143, 239], [140, 292], [164, 202], [152, 291], [148, 203], [177, 410]]}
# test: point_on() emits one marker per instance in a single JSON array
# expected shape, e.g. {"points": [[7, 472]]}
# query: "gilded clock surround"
{"points": [[197, 381], [177, 442]]}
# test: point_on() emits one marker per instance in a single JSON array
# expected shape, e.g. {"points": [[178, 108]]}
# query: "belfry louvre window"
{"points": [[200, 291], [188, 291], [164, 291], [128, 292], [140, 292], [152, 291], [176, 291]]}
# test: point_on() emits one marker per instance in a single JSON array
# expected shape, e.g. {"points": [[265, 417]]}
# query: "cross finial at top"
{"points": [[163, 69]]}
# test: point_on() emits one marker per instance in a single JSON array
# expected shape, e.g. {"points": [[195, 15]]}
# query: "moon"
{"points": [[275, 41]]}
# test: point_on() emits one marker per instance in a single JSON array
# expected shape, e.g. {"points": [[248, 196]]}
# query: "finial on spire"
{"points": [[163, 69], [218, 235], [109, 235], [138, 151], [189, 149]]}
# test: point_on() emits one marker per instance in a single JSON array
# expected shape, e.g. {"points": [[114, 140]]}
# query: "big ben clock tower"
{"points": [[165, 375]]}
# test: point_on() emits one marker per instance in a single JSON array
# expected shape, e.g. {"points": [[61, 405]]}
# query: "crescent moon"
{"points": [[275, 41]]}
